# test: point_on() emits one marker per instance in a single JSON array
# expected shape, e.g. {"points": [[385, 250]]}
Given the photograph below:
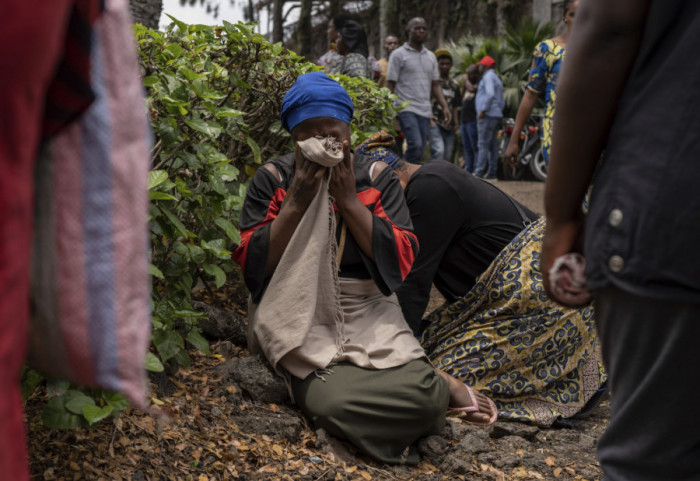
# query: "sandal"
{"points": [[475, 408]]}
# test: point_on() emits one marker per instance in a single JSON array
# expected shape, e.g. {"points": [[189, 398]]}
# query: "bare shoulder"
{"points": [[270, 167], [376, 168]]}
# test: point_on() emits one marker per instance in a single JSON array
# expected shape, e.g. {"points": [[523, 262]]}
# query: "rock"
{"points": [[474, 443], [226, 348], [457, 429], [219, 324], [502, 461], [330, 445], [455, 464], [587, 443], [281, 428], [502, 429], [432, 446], [255, 377], [513, 443]]}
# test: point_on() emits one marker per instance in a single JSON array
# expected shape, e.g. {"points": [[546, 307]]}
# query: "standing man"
{"points": [[413, 76], [442, 133], [391, 43], [467, 129], [489, 105], [642, 230]]}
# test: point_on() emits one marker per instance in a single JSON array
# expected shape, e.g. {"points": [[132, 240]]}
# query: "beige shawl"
{"points": [[304, 322]]}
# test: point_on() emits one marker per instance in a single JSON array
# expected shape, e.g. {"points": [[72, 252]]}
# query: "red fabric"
{"points": [[31, 36], [402, 237], [241, 252]]}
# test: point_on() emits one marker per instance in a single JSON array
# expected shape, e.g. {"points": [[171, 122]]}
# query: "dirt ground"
{"points": [[229, 418], [528, 193]]}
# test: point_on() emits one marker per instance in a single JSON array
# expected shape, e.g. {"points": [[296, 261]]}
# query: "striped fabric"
{"points": [[91, 288]]}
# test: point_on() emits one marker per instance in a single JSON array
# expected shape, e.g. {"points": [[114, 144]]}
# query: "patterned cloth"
{"points": [[537, 360], [548, 57], [378, 147]]}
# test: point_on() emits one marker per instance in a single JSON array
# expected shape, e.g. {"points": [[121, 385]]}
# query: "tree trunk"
{"points": [[303, 33], [277, 21], [146, 12], [501, 18]]}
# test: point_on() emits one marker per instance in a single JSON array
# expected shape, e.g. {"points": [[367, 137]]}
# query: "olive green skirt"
{"points": [[381, 412]]}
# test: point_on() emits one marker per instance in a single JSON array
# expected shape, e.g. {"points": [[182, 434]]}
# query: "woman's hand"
{"points": [[342, 183], [512, 151], [306, 181]]}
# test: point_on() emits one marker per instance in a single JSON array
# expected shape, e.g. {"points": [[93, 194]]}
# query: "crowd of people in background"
{"points": [[423, 80]]}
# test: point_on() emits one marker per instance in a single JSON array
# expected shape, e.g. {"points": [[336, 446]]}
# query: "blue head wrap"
{"points": [[315, 94]]}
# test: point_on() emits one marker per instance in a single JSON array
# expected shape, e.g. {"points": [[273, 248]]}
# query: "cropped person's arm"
{"points": [[603, 44]]}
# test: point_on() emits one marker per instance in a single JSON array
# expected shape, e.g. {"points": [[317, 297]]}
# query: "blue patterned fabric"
{"points": [[536, 359]]}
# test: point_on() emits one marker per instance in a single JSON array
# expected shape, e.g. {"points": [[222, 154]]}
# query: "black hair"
{"points": [[340, 19], [566, 6], [354, 37]]}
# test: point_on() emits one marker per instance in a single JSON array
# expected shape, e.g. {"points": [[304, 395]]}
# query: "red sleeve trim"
{"points": [[273, 208], [404, 239]]}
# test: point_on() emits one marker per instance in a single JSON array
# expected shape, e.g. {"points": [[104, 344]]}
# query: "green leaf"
{"points": [[189, 74], [95, 414], [153, 364], [155, 272], [150, 81], [207, 127], [155, 195], [168, 343], [57, 387], [30, 381], [173, 50], [255, 148], [229, 228], [75, 401], [228, 112], [175, 221], [181, 25], [56, 416], [217, 247], [156, 177], [215, 271], [182, 358], [115, 399], [196, 339]]}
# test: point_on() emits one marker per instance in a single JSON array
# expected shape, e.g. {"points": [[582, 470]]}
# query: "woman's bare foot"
{"points": [[460, 398]]}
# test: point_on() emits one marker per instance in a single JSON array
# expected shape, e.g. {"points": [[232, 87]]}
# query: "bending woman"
{"points": [[338, 336], [498, 331], [544, 74]]}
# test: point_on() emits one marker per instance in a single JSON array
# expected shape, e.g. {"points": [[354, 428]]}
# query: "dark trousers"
{"points": [[470, 139], [650, 349], [382, 412], [415, 129]]}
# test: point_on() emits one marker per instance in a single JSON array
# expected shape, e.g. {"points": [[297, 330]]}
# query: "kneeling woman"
{"points": [[323, 247]]}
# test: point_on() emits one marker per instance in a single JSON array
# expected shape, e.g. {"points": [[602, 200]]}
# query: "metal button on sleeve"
{"points": [[616, 263], [615, 217]]}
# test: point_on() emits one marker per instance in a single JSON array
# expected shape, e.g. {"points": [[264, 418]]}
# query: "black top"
{"points": [[393, 242], [462, 224], [469, 108], [643, 228]]}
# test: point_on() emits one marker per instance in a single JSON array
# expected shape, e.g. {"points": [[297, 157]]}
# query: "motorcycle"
{"points": [[530, 154]]}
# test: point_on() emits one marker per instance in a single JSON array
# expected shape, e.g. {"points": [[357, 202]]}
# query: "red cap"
{"points": [[488, 61]]}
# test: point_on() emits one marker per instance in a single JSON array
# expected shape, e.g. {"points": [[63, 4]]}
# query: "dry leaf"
{"points": [[365, 475], [550, 461], [557, 472]]}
